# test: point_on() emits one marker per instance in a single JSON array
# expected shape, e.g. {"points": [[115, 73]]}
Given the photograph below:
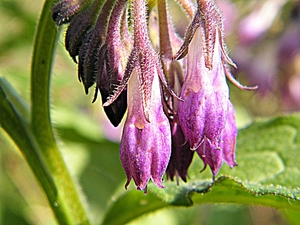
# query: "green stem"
{"points": [[66, 203]]}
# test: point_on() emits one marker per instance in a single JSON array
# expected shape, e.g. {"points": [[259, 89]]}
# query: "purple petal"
{"points": [[146, 145], [229, 136]]}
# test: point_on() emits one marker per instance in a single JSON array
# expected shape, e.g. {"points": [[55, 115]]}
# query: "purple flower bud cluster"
{"points": [[174, 107]]}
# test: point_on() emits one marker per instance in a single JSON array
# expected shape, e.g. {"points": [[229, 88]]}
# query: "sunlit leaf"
{"points": [[268, 174]]}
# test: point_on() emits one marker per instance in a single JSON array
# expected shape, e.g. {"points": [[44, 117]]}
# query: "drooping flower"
{"points": [[205, 93], [181, 156], [118, 56], [145, 147], [203, 114]]}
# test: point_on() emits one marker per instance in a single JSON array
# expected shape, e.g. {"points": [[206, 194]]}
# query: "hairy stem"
{"points": [[65, 199]]}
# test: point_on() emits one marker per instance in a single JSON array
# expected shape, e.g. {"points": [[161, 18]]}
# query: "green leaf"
{"points": [[293, 217], [17, 127], [267, 154], [15, 99], [268, 174], [130, 205]]}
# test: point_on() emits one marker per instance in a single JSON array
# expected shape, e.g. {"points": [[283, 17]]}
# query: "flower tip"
{"points": [[86, 89], [127, 183], [74, 59], [214, 177], [158, 183], [233, 165], [204, 167], [142, 189], [139, 188]]}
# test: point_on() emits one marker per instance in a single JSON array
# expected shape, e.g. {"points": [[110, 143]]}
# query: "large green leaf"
{"points": [[267, 174]]}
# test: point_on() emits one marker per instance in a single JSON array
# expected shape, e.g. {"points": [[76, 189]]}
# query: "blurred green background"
{"points": [[90, 144]]}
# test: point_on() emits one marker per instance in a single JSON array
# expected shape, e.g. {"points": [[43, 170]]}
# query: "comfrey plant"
{"points": [[175, 107]]}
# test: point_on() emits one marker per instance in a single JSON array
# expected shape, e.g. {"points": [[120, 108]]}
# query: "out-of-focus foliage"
{"points": [[270, 59]]}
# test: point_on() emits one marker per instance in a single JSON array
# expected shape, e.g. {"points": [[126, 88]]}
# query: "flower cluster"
{"points": [[175, 107]]}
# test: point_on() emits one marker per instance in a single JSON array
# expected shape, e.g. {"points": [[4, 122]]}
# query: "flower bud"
{"points": [[64, 10], [113, 57], [206, 115], [79, 27]]}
